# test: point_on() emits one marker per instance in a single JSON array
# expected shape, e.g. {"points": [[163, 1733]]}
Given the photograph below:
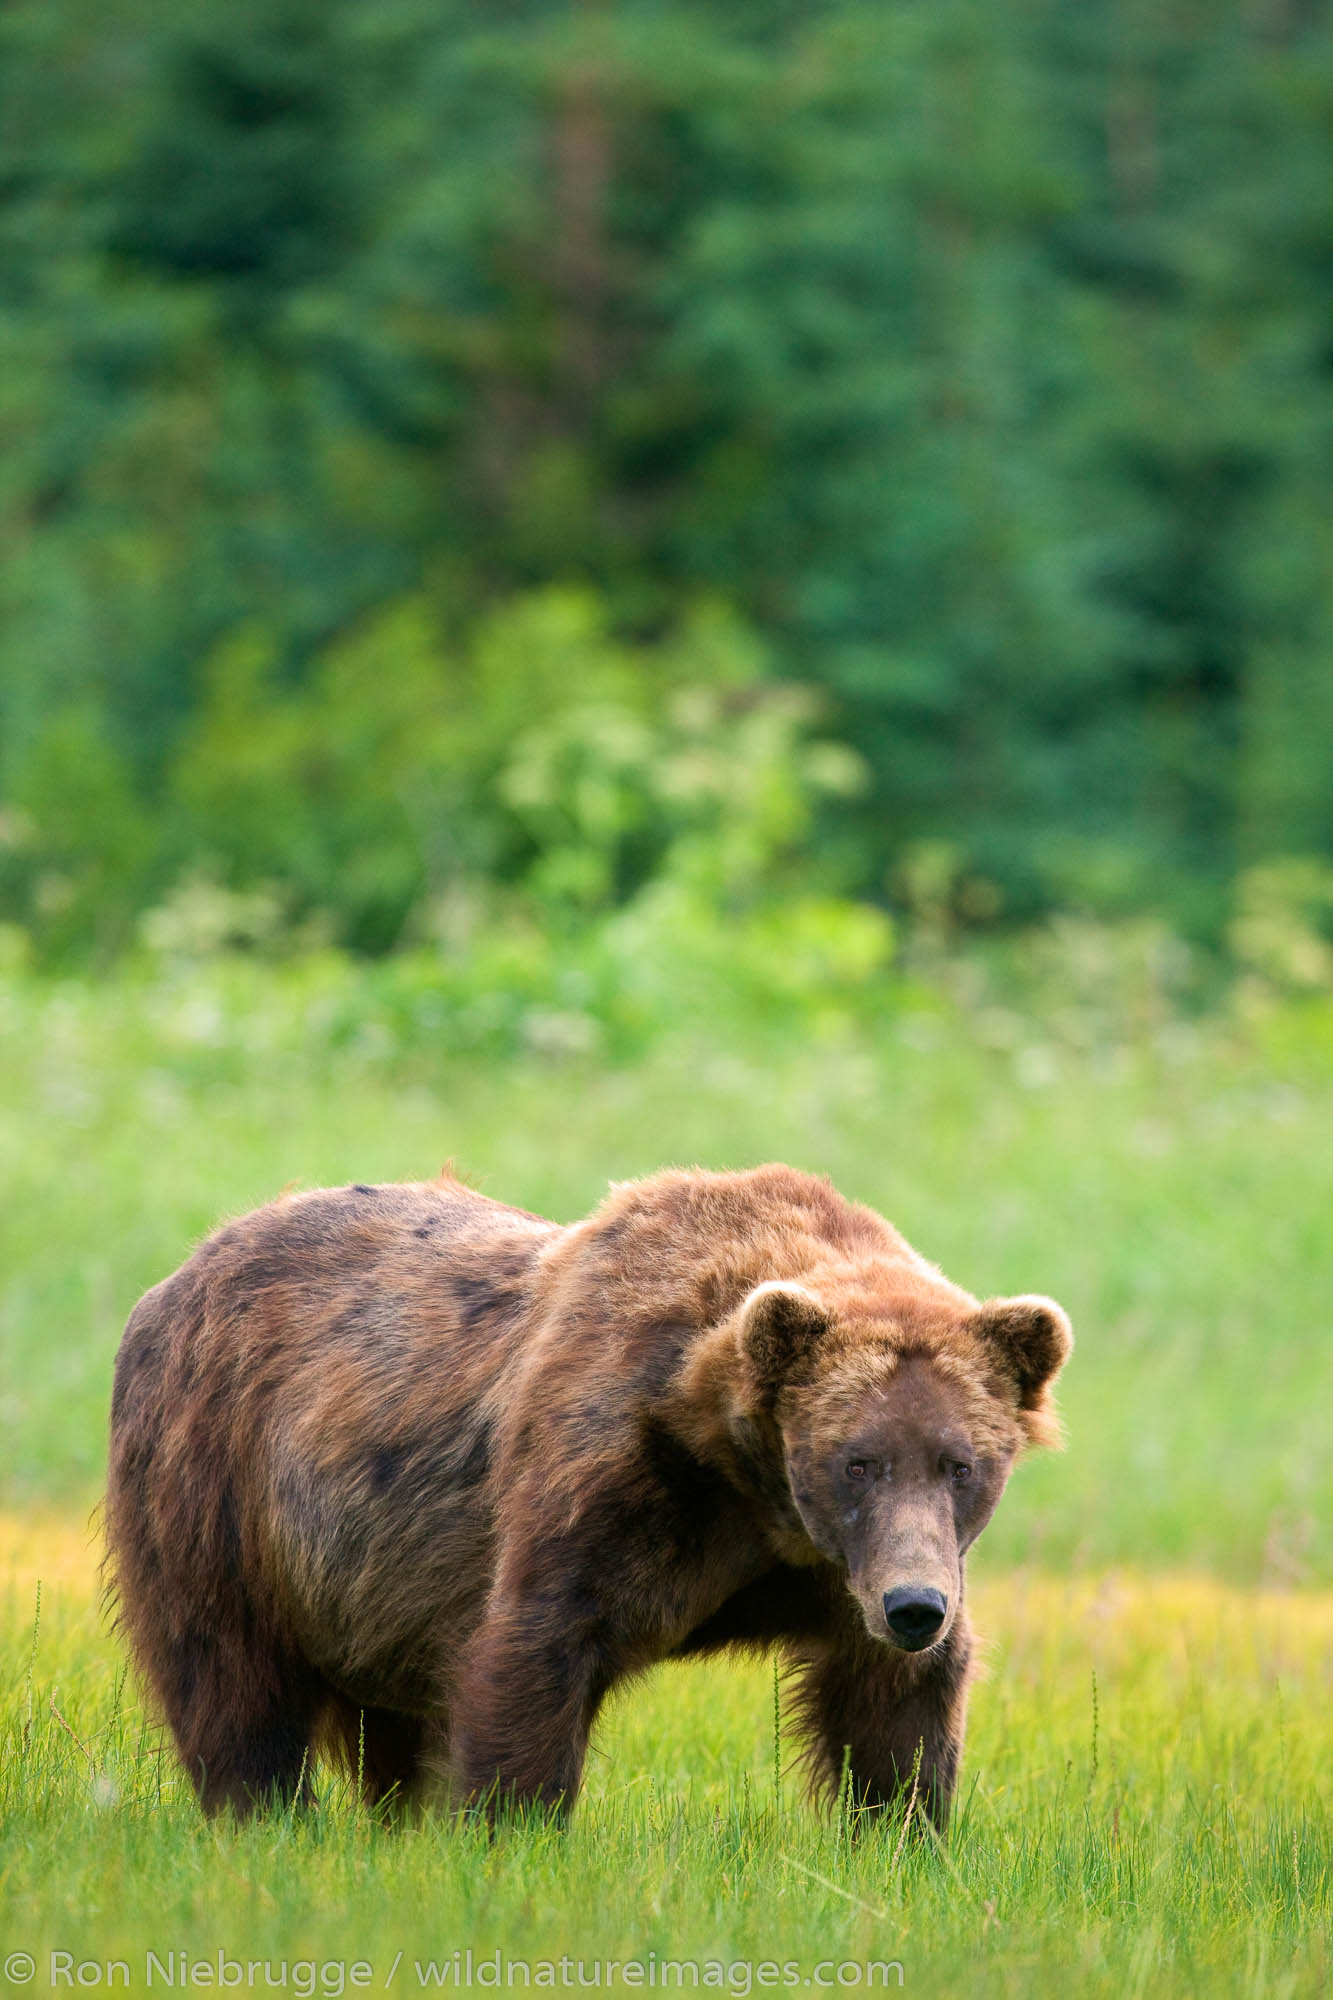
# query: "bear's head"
{"points": [[898, 1431]]}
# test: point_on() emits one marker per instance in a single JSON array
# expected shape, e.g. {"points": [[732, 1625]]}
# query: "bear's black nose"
{"points": [[914, 1616]]}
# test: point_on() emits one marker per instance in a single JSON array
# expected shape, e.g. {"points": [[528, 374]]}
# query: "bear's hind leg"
{"points": [[242, 1713]]}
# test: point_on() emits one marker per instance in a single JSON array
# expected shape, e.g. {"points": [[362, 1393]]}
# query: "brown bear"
{"points": [[414, 1477]]}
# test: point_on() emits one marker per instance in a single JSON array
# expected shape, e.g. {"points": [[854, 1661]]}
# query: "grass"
{"points": [[1146, 1800], [1146, 1810]]}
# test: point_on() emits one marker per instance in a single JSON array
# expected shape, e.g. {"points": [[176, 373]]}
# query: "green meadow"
{"points": [[1146, 1805]]}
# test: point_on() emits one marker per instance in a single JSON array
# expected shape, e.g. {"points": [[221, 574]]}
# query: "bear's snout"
{"points": [[914, 1616]]}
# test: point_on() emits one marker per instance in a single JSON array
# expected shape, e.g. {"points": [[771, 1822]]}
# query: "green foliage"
{"points": [[406, 778], [413, 788], [1283, 927], [976, 357]]}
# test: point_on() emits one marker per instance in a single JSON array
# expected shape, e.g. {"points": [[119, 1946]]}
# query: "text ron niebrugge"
{"points": [[179, 1969]]}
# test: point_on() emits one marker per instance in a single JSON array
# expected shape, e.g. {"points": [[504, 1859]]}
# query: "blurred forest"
{"points": [[594, 461]]}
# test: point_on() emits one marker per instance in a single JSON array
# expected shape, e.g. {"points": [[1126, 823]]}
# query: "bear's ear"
{"points": [[1031, 1338], [780, 1324]]}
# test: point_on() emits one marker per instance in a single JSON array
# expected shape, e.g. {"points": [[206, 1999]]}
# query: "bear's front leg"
{"points": [[530, 1685], [894, 1720]]}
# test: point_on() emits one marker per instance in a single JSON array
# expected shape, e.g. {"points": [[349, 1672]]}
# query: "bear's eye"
{"points": [[857, 1469], [959, 1472]]}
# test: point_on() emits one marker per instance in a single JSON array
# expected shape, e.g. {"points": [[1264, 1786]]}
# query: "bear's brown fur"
{"points": [[417, 1477]]}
